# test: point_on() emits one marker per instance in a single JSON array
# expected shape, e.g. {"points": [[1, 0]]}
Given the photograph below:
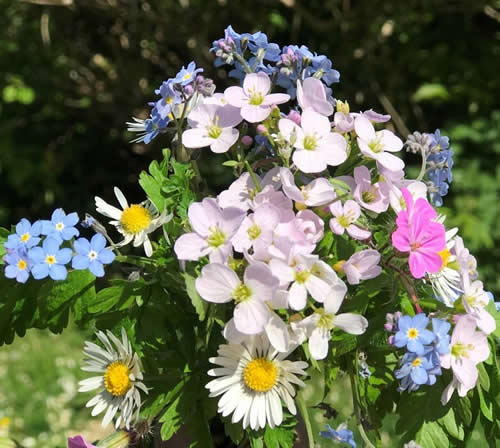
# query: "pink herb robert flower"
{"points": [[420, 236]]}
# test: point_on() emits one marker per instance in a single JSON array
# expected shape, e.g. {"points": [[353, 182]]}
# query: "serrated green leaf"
{"points": [[278, 437], [152, 185], [200, 305], [256, 442], [171, 419]]}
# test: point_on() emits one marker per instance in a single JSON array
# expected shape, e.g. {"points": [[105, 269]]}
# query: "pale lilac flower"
{"points": [[213, 230], [375, 117], [318, 192], [466, 261], [213, 126], [318, 326], [220, 284], [374, 197], [307, 274], [344, 218], [311, 93], [257, 228], [343, 122], [316, 146], [295, 117], [79, 442], [416, 188], [311, 225], [375, 145], [362, 265], [468, 348], [269, 195], [253, 98], [475, 301]]}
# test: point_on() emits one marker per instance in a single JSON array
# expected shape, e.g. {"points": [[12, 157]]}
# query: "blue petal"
{"points": [[71, 219], [64, 256], [82, 246], [47, 227], [80, 262], [419, 375], [415, 346], [58, 272], [426, 336], [98, 242], [404, 323], [11, 271], [420, 321], [36, 228], [37, 255], [22, 276], [51, 245], [40, 270], [400, 339], [58, 215], [13, 242], [96, 268], [69, 232], [33, 241], [106, 256], [23, 226]]}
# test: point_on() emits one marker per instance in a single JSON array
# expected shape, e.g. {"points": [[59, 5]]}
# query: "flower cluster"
{"points": [[38, 249]]}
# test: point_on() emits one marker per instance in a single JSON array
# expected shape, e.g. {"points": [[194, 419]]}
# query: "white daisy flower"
{"points": [[119, 380], [134, 222], [253, 380]]}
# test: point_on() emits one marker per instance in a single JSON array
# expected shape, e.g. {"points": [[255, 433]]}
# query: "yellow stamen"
{"points": [[22, 265], [260, 375], [25, 237], [338, 267], [416, 362], [116, 379], [50, 259], [412, 333], [254, 232], [445, 257], [135, 219]]}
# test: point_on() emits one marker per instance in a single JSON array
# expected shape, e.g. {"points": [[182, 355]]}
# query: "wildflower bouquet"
{"points": [[321, 269]]}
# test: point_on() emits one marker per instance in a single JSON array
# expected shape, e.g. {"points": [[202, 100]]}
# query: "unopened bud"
{"points": [[338, 267], [246, 140], [295, 117], [343, 106], [261, 129]]}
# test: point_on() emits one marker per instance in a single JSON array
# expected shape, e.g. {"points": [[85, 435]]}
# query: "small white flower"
{"points": [[119, 380], [134, 221], [253, 380]]}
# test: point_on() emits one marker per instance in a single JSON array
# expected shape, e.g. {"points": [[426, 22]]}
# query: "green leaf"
{"points": [[4, 233], [484, 379], [171, 419], [278, 437], [431, 92], [452, 427], [152, 184], [231, 163], [234, 431], [200, 305], [256, 442], [431, 435]]}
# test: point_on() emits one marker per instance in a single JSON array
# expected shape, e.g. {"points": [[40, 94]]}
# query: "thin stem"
{"points": [[408, 286], [305, 415], [422, 168], [357, 412], [253, 176], [242, 61]]}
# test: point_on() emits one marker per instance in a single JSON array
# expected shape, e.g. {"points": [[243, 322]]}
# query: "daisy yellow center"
{"points": [[256, 99], [260, 375], [59, 226], [241, 293], [445, 257], [254, 232], [412, 333], [22, 265], [302, 276], [461, 350], [116, 379], [25, 237], [135, 219], [416, 362], [216, 238], [214, 131], [310, 142], [50, 259]]}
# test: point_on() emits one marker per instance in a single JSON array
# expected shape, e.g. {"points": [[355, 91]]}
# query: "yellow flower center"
{"points": [[214, 131], [256, 99], [461, 350], [343, 106], [339, 266], [369, 196], [302, 276], [412, 333], [254, 232], [344, 220], [445, 257], [310, 142], [59, 226], [135, 219], [241, 293], [22, 265], [25, 237], [169, 100], [325, 320], [260, 375], [116, 379], [376, 145], [416, 362], [50, 259], [186, 76], [216, 238]]}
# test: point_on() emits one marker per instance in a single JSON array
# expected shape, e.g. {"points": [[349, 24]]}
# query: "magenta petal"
{"points": [[408, 200], [417, 264], [423, 208], [435, 237], [400, 240]]}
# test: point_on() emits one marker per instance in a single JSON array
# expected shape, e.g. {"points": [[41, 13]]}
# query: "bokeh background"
{"points": [[72, 72]]}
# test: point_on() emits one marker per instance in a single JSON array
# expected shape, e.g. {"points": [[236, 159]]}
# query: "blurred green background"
{"points": [[72, 72]]}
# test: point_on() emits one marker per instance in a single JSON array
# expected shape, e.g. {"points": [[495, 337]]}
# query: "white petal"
{"points": [[351, 323], [217, 283]]}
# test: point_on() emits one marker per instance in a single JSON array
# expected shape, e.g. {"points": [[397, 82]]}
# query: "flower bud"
{"points": [[261, 129], [246, 140]]}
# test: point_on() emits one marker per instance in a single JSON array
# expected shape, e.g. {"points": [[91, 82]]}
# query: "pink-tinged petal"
{"points": [[196, 138], [390, 161], [351, 323], [277, 333], [352, 209], [232, 217], [320, 192], [362, 177], [364, 129], [318, 343], [221, 253], [256, 82], [445, 361], [289, 187], [227, 138], [235, 96], [465, 371], [366, 150], [358, 233], [336, 209], [266, 216], [300, 95], [400, 240], [333, 149], [417, 264], [241, 240], [204, 215], [308, 162], [251, 316], [288, 128], [352, 273], [232, 335], [217, 283], [318, 288], [281, 270], [261, 281], [191, 246], [335, 227], [390, 141], [408, 198], [275, 98], [315, 124], [485, 322], [202, 115], [335, 297], [297, 296], [229, 116], [481, 350], [432, 262], [435, 237], [423, 208], [255, 114]]}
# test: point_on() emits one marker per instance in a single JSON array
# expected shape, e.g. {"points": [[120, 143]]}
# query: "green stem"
{"points": [[242, 62], [253, 176], [305, 415], [422, 168], [355, 402]]}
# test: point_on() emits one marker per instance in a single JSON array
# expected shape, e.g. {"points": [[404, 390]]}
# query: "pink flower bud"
{"points": [[295, 117], [261, 129], [246, 140], [388, 327]]}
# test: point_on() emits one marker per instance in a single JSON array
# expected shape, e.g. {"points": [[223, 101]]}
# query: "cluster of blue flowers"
{"points": [[26, 256], [250, 52], [172, 92], [341, 435], [421, 364], [439, 166]]}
